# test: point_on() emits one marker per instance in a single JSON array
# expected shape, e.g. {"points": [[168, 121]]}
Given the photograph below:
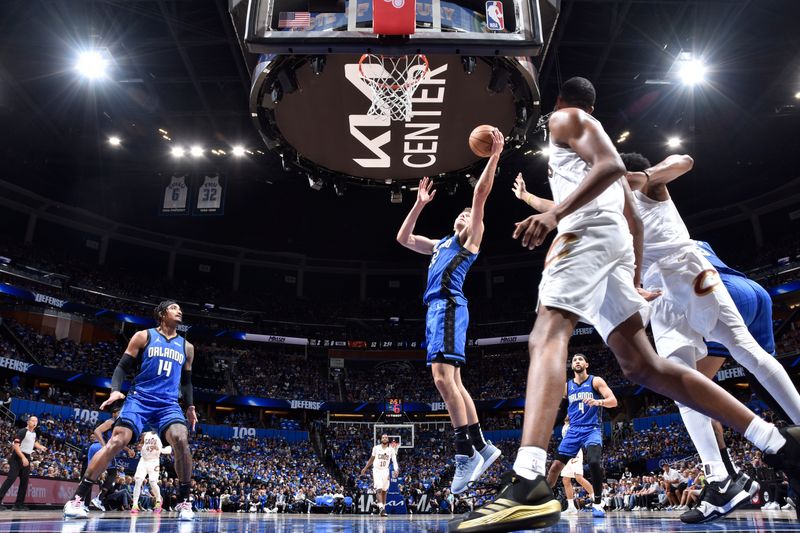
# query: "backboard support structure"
{"points": [[310, 102]]}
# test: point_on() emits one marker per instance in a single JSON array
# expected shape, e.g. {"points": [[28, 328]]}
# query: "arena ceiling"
{"points": [[176, 66]]}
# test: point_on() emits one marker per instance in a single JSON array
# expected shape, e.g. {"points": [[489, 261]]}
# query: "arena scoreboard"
{"points": [[393, 406]]}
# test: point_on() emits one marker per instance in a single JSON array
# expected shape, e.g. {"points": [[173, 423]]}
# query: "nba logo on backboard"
{"points": [[494, 15]]}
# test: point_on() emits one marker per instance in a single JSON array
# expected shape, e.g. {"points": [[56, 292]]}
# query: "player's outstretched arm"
{"points": [[536, 202], [125, 367], [186, 386], [482, 189], [671, 168], [405, 235], [609, 400]]}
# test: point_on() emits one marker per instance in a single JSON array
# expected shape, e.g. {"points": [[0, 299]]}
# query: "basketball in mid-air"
{"points": [[480, 140]]}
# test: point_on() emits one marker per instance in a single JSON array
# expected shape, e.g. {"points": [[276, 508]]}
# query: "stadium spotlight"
{"points": [[545, 151], [674, 142], [92, 65], [238, 151], [177, 151], [114, 140], [797, 95], [690, 71], [196, 151]]}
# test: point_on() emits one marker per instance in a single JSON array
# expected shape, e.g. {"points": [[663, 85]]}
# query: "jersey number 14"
{"points": [[164, 367]]}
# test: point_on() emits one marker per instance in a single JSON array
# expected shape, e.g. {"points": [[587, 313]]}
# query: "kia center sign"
{"points": [[317, 119]]}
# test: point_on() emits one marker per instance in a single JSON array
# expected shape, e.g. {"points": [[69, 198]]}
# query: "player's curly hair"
{"points": [[635, 162], [161, 309]]}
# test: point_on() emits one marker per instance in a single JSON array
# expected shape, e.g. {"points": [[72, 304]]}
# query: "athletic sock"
{"points": [[730, 467], [84, 491], [463, 442], [184, 491], [764, 435], [476, 436], [530, 462], [701, 431]]}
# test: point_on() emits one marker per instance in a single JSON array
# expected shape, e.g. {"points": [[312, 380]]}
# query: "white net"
{"points": [[393, 80]]}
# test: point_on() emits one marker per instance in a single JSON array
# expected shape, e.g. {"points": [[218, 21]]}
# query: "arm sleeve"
{"points": [[186, 387], [125, 367], [394, 460]]}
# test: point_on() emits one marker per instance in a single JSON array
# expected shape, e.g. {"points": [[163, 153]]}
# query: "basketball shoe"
{"points": [[520, 504]]}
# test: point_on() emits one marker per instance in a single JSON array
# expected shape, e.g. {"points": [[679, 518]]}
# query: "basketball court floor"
{"points": [[51, 521]]}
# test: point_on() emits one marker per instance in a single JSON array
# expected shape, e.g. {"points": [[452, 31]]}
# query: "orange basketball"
{"points": [[480, 140]]}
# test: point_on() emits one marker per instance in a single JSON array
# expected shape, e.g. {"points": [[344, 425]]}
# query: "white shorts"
{"points": [[380, 480], [147, 468], [693, 301], [589, 271], [574, 466]]}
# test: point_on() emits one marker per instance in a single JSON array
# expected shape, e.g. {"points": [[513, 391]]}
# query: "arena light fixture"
{"points": [[238, 151], [196, 151], [545, 152], [114, 140], [92, 65], [177, 151], [674, 142], [689, 69], [797, 95]]}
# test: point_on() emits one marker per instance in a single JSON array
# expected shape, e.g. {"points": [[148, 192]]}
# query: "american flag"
{"points": [[294, 19]]}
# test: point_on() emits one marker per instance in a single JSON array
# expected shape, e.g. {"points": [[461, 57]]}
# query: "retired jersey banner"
{"points": [[175, 196], [210, 198]]}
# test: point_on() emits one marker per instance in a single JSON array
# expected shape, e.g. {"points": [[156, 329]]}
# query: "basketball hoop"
{"points": [[393, 80]]}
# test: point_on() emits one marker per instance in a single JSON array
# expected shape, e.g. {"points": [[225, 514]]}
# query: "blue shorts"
{"points": [[138, 412], [446, 332], [577, 438], [93, 449], [755, 306]]}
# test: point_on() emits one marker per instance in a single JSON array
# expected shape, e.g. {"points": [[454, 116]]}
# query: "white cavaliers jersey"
{"points": [[151, 449], [383, 456], [567, 171], [664, 229]]}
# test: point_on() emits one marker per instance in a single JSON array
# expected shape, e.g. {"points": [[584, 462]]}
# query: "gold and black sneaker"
{"points": [[520, 504]]}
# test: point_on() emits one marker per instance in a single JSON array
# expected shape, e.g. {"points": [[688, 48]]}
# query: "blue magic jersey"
{"points": [[581, 414], [162, 360], [715, 261], [447, 270]]}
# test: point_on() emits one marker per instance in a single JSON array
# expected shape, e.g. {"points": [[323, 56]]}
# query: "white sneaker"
{"points": [[97, 503], [75, 508], [789, 505], [185, 511]]}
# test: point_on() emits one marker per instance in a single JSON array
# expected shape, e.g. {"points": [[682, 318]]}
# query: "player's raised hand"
{"points": [[649, 296], [114, 397], [425, 193], [191, 416], [497, 142], [519, 187], [535, 229]]}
